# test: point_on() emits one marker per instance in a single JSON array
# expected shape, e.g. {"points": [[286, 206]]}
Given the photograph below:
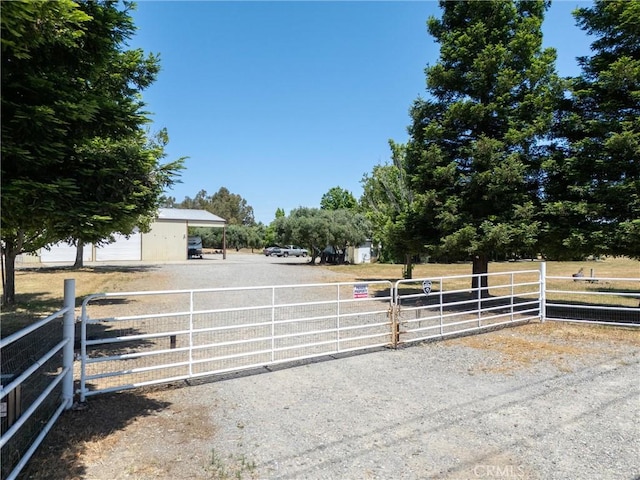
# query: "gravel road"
{"points": [[541, 401]]}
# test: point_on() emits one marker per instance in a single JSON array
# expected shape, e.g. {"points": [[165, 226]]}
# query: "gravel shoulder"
{"points": [[539, 401]]}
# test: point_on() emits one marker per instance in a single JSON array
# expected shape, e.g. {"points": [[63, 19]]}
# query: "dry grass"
{"points": [[559, 343], [40, 291], [609, 267]]}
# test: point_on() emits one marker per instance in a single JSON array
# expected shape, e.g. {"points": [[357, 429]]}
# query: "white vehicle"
{"points": [[292, 250], [194, 248]]}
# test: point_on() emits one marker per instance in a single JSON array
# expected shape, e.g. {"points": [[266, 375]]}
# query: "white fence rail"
{"points": [[438, 307], [178, 335], [600, 300], [37, 383]]}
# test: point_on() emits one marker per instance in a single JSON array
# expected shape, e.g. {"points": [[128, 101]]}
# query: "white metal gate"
{"points": [[176, 335], [443, 306]]}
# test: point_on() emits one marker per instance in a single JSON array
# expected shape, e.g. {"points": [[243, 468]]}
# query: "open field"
{"points": [[609, 267], [42, 287]]}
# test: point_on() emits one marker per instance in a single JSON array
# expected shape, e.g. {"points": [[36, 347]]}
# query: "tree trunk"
{"points": [[9, 292], [480, 267], [407, 272], [79, 263]]}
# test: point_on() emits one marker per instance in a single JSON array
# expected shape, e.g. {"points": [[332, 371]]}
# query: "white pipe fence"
{"points": [[599, 300], [37, 366], [214, 331], [437, 307]]}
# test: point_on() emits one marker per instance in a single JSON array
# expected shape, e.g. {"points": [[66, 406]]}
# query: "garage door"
{"points": [[63, 252], [122, 249]]}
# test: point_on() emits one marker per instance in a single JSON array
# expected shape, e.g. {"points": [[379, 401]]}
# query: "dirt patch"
{"points": [[83, 435], [557, 343]]}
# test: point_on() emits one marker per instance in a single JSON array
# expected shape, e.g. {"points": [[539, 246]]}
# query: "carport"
{"points": [[168, 236]]}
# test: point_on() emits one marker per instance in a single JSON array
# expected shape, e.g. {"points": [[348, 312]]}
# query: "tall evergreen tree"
{"points": [[593, 183], [474, 155]]}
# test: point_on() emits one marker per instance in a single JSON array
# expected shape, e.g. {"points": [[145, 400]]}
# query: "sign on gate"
{"points": [[426, 287], [360, 290]]}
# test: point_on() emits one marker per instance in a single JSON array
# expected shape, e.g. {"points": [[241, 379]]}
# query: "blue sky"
{"points": [[281, 101]]}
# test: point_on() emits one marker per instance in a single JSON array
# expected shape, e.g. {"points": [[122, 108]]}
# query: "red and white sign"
{"points": [[360, 291]]}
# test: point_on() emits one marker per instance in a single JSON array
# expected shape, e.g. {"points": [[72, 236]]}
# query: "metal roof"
{"points": [[193, 217]]}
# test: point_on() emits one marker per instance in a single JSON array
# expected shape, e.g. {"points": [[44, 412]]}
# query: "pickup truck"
{"points": [[292, 250]]}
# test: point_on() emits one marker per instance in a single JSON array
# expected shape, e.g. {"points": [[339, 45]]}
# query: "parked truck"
{"points": [[194, 248], [292, 250]]}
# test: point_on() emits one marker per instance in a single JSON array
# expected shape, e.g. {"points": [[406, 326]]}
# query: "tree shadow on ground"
{"points": [[86, 268], [589, 312], [76, 431]]}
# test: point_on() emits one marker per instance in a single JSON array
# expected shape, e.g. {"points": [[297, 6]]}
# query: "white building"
{"points": [[165, 241]]}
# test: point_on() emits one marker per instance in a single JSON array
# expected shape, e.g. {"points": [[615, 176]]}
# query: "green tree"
{"points": [[593, 177], [37, 37], [255, 236], [317, 228], [168, 201], [388, 202], [121, 182], [337, 198], [474, 157], [77, 162], [230, 206]]}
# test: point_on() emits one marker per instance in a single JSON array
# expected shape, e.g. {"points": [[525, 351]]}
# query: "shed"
{"points": [[165, 241], [360, 254]]}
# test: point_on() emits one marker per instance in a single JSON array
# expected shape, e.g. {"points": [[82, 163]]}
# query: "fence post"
{"points": [[68, 332], [543, 291], [394, 313]]}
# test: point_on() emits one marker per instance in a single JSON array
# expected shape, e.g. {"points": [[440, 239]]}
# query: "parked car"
{"points": [[272, 251], [293, 250]]}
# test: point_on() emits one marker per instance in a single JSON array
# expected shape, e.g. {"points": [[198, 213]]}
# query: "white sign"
{"points": [[360, 291], [426, 287]]}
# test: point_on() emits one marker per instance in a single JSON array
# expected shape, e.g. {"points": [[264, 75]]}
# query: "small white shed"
{"points": [[359, 254]]}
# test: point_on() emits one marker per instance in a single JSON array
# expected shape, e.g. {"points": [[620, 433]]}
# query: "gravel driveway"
{"points": [[541, 401]]}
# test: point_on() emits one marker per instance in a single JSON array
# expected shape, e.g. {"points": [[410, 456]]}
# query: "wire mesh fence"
{"points": [[173, 335], [614, 301], [437, 307], [36, 382], [142, 338]]}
